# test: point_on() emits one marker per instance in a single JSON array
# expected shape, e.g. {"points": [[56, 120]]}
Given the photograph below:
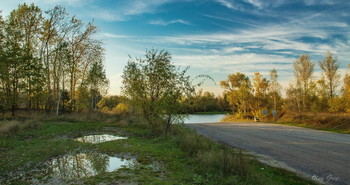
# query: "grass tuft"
{"points": [[9, 127]]}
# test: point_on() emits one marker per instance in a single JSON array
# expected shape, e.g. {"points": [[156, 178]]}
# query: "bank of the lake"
{"points": [[182, 157]]}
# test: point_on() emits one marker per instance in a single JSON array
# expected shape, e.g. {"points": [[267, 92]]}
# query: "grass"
{"points": [[184, 156], [333, 122]]}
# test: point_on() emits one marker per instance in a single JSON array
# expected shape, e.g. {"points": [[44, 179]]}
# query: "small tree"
{"points": [[155, 86]]}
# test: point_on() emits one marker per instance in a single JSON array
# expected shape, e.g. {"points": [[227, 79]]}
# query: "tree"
{"points": [[237, 88], [97, 80], [294, 98], [330, 68], [40, 54], [260, 87], [303, 70], [275, 87], [347, 89], [155, 86]]}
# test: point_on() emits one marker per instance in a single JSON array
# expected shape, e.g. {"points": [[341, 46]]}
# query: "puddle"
{"points": [[73, 167], [85, 165], [94, 139]]}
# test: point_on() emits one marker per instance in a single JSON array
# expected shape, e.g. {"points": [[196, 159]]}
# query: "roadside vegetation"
{"points": [[183, 157]]}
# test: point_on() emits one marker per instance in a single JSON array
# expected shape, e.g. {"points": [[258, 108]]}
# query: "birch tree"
{"points": [[330, 66], [303, 71]]}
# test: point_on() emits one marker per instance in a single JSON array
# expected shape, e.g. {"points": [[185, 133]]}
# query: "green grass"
{"points": [[185, 157]]}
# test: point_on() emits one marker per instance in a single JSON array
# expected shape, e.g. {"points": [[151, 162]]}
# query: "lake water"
{"points": [[203, 118]]}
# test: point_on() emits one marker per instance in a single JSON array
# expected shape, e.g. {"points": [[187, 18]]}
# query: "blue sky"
{"points": [[215, 37]]}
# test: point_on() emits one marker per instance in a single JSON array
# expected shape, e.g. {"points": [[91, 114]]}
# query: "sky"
{"points": [[215, 37]]}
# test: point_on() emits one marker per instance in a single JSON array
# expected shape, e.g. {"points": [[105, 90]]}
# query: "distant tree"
{"points": [[155, 86], [347, 90], [294, 101], [97, 81], [237, 89], [260, 87], [303, 70], [331, 75], [274, 87]]}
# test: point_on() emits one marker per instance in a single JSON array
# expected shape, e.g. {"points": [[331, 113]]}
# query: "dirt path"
{"points": [[319, 155]]}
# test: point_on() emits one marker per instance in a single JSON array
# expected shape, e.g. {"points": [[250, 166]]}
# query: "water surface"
{"points": [[70, 167], [94, 139], [204, 118]]}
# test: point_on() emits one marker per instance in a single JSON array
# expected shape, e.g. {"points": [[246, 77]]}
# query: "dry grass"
{"points": [[27, 120], [9, 127], [331, 121], [237, 117]]}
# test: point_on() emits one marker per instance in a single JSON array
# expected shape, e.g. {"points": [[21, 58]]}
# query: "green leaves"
{"points": [[155, 87]]}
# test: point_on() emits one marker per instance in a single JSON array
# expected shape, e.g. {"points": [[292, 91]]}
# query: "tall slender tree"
{"points": [[303, 70], [274, 87], [330, 66], [260, 87]]}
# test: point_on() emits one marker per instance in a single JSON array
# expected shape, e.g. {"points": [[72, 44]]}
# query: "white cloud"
{"points": [[233, 49], [226, 3], [125, 9], [316, 2], [246, 62], [165, 23], [257, 3], [110, 35]]}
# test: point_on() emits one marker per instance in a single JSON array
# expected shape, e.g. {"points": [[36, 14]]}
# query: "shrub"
{"points": [[121, 108], [337, 104]]}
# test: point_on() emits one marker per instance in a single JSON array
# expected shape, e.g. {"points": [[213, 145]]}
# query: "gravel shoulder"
{"points": [[318, 155]]}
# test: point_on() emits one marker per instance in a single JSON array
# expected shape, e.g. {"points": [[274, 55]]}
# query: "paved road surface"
{"points": [[319, 155]]}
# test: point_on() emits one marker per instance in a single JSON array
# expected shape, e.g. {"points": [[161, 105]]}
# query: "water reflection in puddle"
{"points": [[85, 165], [94, 139]]}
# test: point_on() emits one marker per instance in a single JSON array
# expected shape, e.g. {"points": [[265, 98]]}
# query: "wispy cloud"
{"points": [[165, 23], [233, 49], [110, 35], [234, 5], [122, 10]]}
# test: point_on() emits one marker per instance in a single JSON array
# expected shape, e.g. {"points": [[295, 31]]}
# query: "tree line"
{"points": [[248, 98], [49, 60]]}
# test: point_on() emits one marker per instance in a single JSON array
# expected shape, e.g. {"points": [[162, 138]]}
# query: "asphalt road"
{"points": [[318, 155]]}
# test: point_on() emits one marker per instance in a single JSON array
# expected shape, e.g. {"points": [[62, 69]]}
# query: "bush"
{"points": [[337, 104], [121, 108]]}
